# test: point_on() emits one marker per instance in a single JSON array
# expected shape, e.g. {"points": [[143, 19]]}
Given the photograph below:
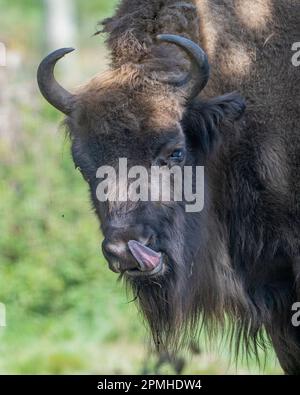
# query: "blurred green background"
{"points": [[66, 313]]}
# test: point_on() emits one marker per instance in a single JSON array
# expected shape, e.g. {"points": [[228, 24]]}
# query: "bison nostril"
{"points": [[118, 256], [117, 249]]}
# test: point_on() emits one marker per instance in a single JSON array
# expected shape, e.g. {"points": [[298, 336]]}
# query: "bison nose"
{"points": [[125, 252], [118, 256]]}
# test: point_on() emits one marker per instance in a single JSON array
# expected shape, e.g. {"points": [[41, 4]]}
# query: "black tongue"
{"points": [[147, 259]]}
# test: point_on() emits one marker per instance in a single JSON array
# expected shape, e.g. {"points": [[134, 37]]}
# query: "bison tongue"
{"points": [[148, 259]]}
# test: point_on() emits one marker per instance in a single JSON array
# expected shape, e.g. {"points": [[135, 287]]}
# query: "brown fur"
{"points": [[238, 255]]}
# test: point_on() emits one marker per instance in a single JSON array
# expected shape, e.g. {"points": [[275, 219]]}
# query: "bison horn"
{"points": [[200, 69], [54, 93]]}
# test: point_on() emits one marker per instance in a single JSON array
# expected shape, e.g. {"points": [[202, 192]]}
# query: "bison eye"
{"points": [[178, 155]]}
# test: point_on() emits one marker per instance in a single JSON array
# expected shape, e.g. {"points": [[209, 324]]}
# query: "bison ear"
{"points": [[203, 120]]}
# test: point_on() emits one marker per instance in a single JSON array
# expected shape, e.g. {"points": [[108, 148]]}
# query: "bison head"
{"points": [[149, 113]]}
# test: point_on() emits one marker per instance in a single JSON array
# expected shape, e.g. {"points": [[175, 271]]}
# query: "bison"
{"points": [[200, 83]]}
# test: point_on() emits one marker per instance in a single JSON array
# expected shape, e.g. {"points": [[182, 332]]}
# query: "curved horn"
{"points": [[200, 69], [54, 93]]}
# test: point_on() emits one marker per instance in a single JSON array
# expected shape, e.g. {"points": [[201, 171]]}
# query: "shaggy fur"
{"points": [[239, 256]]}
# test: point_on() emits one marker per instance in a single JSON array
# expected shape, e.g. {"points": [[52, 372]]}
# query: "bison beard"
{"points": [[170, 302], [160, 305], [170, 308], [194, 292]]}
